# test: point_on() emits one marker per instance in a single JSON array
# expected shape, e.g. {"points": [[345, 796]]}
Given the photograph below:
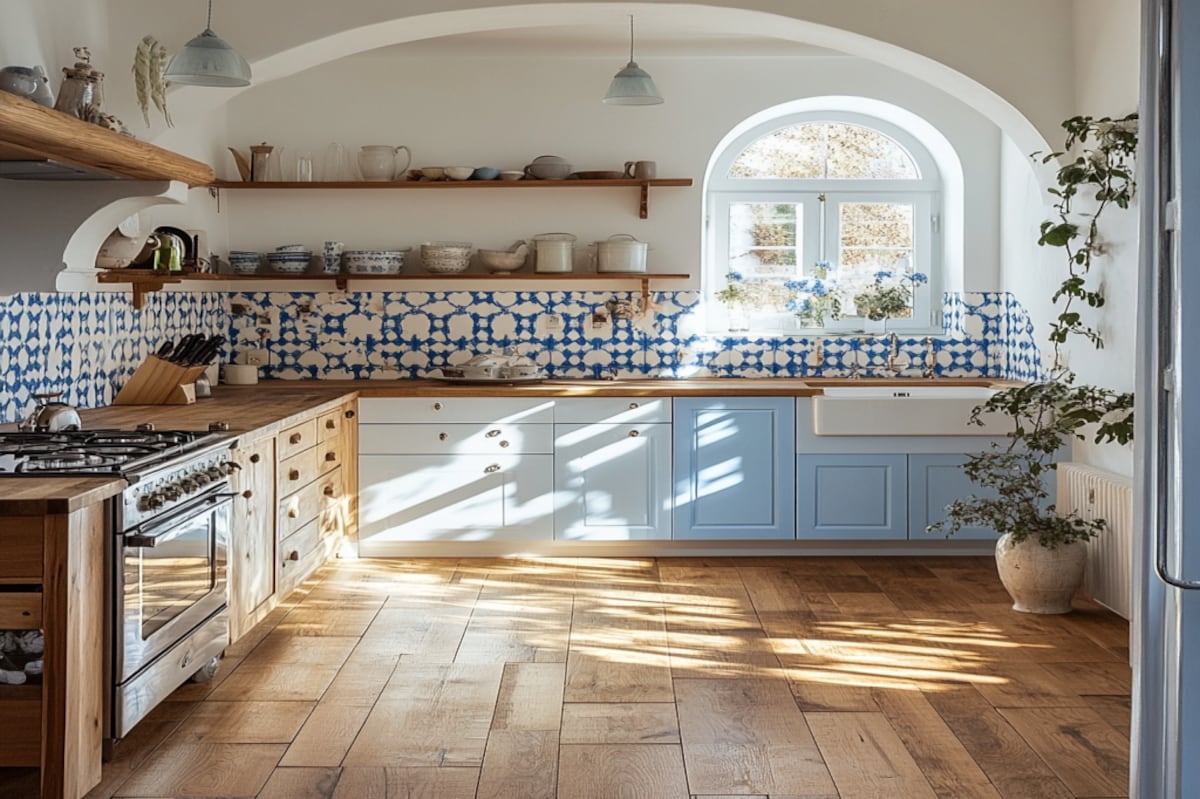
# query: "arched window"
{"points": [[824, 220]]}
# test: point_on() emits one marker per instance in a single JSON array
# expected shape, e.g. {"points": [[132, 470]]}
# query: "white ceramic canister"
{"points": [[555, 252], [621, 253]]}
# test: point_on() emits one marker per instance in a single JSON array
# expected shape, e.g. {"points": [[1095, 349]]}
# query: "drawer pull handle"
{"points": [[293, 513], [294, 474], [329, 491], [634, 434], [349, 414], [495, 467], [442, 436], [247, 494], [331, 456], [503, 443], [26, 613], [255, 458], [633, 406], [296, 438], [437, 406], [493, 433], [330, 424]]}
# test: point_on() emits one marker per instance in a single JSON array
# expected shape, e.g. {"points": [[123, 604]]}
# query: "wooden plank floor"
{"points": [[721, 677]]}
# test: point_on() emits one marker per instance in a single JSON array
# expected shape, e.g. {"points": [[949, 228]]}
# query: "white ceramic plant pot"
{"points": [[1038, 579]]}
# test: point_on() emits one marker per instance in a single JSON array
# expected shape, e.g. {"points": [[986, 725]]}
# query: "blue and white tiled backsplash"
{"points": [[88, 344]]}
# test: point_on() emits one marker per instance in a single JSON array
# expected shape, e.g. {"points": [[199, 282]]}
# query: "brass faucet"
{"points": [[897, 362], [930, 359]]}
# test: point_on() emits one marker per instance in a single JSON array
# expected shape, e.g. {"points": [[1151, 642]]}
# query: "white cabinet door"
{"points": [[405, 498], [612, 481]]}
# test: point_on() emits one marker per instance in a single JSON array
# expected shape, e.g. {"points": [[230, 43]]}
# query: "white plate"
{"points": [[437, 375]]}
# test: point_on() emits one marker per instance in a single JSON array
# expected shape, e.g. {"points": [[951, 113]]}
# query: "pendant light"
{"points": [[632, 85], [208, 60]]}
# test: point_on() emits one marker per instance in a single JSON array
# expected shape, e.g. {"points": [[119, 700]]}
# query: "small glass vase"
{"points": [[739, 319]]}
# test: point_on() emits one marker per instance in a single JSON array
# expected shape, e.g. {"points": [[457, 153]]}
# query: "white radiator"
{"points": [[1097, 494]]}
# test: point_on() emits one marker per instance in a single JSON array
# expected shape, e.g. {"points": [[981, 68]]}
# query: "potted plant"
{"points": [[889, 295], [815, 297], [1041, 552]]}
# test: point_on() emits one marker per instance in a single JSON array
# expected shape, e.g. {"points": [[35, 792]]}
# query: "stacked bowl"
{"points": [[446, 257], [244, 262], [374, 262], [291, 259]]}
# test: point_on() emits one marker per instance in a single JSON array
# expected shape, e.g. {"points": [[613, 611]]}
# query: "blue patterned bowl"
{"points": [[289, 262], [373, 262]]}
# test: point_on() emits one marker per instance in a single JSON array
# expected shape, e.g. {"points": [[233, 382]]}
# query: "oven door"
{"points": [[170, 578]]}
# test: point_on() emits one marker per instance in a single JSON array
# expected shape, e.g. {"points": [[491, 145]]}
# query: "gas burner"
{"points": [[67, 461]]}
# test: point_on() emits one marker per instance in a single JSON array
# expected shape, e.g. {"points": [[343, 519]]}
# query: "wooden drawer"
{"points": [[382, 410], [298, 557], [330, 455], [22, 720], [329, 425], [615, 410], [308, 503], [21, 542], [297, 471], [457, 439], [21, 610], [296, 439]]}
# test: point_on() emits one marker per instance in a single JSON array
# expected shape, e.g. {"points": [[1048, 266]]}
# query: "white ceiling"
{"points": [[591, 41]]}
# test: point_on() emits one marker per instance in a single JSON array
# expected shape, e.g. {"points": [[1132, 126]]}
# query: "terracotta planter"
{"points": [[1040, 580]]}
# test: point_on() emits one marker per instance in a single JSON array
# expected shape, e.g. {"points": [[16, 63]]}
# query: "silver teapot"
{"points": [[51, 416]]}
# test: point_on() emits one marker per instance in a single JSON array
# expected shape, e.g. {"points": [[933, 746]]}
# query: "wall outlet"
{"points": [[552, 321], [256, 357]]}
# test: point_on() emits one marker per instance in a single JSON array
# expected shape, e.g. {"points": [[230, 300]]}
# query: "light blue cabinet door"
{"points": [[612, 482], [735, 467], [851, 496], [934, 481]]}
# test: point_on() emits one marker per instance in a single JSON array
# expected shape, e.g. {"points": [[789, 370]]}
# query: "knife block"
{"points": [[160, 382]]}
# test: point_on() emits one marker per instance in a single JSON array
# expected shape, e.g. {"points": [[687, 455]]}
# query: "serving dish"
{"points": [[440, 374]]}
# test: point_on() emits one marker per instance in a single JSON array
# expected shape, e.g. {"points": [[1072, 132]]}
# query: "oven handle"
{"points": [[149, 538]]}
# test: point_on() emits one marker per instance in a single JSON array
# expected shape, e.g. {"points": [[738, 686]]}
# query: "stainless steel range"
{"points": [[168, 596]]}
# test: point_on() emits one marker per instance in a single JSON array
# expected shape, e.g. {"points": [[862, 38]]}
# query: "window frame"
{"points": [[924, 193]]}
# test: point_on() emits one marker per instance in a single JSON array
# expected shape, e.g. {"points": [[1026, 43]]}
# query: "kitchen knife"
{"points": [[164, 351], [186, 347], [207, 351]]}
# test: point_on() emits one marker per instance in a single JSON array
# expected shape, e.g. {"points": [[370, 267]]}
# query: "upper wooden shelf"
{"points": [[31, 132], [440, 185]]}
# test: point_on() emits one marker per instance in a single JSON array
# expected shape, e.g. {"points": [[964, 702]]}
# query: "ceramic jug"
{"points": [[27, 82], [378, 162]]}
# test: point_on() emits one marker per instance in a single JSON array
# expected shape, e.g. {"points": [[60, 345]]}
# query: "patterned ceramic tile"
{"points": [[88, 344]]}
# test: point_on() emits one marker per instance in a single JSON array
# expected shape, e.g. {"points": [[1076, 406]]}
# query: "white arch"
{"points": [[698, 18]]}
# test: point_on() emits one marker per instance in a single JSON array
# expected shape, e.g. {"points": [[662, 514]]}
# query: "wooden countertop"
{"points": [[41, 496]]}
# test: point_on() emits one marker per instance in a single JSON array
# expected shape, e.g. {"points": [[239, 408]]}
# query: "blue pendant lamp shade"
{"points": [[632, 85], [208, 60]]}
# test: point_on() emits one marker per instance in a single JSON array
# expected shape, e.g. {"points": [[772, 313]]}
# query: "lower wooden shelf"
{"points": [[141, 282]]}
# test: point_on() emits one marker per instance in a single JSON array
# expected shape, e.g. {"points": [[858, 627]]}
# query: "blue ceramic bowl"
{"points": [[485, 173]]}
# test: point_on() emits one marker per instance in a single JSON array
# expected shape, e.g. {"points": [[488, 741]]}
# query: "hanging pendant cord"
{"points": [[630, 35], [209, 25]]}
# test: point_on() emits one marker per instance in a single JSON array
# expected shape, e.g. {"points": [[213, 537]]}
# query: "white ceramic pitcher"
{"points": [[378, 162]]}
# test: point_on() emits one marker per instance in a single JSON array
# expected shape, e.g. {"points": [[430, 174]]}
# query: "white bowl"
{"points": [[459, 172], [512, 174], [502, 260], [433, 172]]}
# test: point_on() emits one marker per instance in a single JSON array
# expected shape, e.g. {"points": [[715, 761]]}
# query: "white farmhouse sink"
{"points": [[903, 411]]}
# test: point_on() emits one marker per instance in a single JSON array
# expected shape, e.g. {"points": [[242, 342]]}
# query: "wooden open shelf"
{"points": [[460, 185], [32, 132], [142, 281]]}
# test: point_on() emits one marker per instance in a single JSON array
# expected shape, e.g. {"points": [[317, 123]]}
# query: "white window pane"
{"points": [[875, 253], [765, 238], [825, 150]]}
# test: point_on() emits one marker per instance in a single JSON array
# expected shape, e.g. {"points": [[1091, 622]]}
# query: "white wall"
{"points": [[504, 112]]}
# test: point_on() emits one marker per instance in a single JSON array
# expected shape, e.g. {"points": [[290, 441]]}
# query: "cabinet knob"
{"points": [[294, 555], [503, 443], [294, 474], [247, 494], [255, 458], [633, 406], [492, 433], [330, 424], [331, 456], [495, 467], [293, 513], [295, 438], [437, 406], [634, 434], [349, 414], [442, 436], [329, 491]]}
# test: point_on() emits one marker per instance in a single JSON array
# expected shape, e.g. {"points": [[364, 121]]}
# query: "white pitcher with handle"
{"points": [[378, 162]]}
